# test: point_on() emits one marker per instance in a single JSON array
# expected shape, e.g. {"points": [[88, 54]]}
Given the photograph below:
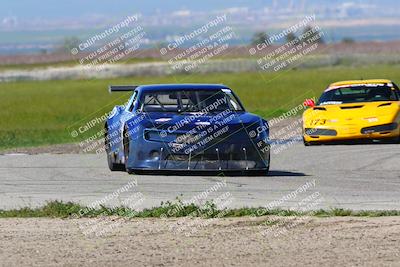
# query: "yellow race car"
{"points": [[353, 111]]}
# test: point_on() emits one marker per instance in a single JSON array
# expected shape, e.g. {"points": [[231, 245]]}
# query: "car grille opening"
{"points": [[379, 128], [352, 107], [206, 157], [321, 132], [385, 105]]}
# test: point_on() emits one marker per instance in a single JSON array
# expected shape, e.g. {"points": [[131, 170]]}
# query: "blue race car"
{"points": [[193, 128]]}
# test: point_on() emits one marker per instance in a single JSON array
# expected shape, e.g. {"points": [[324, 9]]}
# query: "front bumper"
{"points": [[351, 132], [226, 157], [235, 153]]}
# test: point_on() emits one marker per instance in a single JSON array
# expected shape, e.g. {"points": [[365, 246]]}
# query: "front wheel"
{"points": [[306, 143], [110, 159], [125, 142], [395, 140]]}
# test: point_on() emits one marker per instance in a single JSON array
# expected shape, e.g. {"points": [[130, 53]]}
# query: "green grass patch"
{"points": [[71, 63], [68, 63], [57, 209], [45, 112]]}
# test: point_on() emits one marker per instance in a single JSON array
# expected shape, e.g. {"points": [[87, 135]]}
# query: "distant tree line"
{"points": [[263, 37]]}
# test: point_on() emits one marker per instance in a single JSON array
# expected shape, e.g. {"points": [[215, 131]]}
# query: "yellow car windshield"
{"points": [[356, 94]]}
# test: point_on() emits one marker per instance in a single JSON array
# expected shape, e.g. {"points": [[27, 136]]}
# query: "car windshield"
{"points": [[192, 101], [356, 94]]}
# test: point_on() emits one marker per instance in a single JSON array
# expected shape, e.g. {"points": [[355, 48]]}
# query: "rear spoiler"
{"points": [[122, 88]]}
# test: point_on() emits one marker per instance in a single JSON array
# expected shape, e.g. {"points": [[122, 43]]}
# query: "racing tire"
{"points": [[398, 138], [111, 164], [125, 143], [306, 143]]}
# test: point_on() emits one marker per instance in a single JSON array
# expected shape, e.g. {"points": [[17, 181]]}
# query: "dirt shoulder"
{"points": [[196, 242], [50, 149]]}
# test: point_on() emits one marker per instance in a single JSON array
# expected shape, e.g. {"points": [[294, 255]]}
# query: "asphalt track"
{"points": [[359, 177]]}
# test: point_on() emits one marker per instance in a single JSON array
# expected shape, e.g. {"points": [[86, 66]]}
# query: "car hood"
{"points": [[187, 121], [354, 110]]}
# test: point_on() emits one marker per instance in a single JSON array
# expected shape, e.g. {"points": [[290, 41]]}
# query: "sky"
{"points": [[49, 9], [77, 8]]}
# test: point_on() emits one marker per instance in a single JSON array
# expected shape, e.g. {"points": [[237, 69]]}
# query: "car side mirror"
{"points": [[116, 110], [309, 103]]}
